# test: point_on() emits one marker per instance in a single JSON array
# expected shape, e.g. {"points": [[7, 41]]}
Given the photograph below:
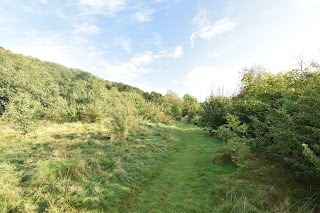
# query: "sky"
{"points": [[187, 46]]}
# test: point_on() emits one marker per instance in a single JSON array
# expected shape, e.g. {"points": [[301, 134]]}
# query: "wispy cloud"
{"points": [[143, 15], [87, 29], [206, 30], [43, 1], [124, 43], [8, 31], [176, 53], [140, 64], [216, 55], [67, 49], [101, 7], [157, 39], [133, 68]]}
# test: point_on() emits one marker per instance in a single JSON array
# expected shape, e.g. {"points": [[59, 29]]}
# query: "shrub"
{"points": [[92, 113], [125, 119], [213, 111], [23, 113], [234, 134]]}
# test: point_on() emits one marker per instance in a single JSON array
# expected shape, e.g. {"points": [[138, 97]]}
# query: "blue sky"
{"points": [[190, 46]]}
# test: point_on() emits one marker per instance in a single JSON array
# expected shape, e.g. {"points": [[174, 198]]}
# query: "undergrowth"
{"points": [[75, 167], [259, 186]]}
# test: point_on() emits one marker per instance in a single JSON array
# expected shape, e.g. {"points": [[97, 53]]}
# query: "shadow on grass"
{"points": [[82, 136]]}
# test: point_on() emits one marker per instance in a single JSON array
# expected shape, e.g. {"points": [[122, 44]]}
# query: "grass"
{"points": [[185, 179], [74, 168], [160, 168], [259, 186]]}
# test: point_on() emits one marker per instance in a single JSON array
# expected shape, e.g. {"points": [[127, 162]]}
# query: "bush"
{"points": [[234, 134], [213, 111], [57, 111], [92, 113], [125, 118], [23, 113]]}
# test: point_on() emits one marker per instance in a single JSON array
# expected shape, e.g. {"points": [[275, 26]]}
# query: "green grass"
{"points": [[184, 184], [74, 168], [160, 168], [197, 177]]}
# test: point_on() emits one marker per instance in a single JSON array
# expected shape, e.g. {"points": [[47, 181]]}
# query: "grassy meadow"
{"points": [[74, 167]]}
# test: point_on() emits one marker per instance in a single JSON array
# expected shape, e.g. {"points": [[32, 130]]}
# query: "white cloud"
{"points": [[135, 67], [143, 59], [140, 64], [206, 30], [202, 80], [43, 1], [124, 43], [8, 30], [216, 55], [101, 7], [144, 15], [160, 1], [68, 50], [124, 71], [87, 29], [178, 52], [305, 3]]}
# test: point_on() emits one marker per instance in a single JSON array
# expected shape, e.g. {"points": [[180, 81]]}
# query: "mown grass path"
{"points": [[185, 181]]}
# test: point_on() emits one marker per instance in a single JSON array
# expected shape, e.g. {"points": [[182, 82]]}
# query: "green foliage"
{"points": [[93, 112], [125, 119], [121, 87], [155, 97], [23, 113], [288, 120], [213, 111], [173, 105], [153, 113], [234, 134], [190, 107], [233, 130], [281, 113], [70, 95], [65, 94]]}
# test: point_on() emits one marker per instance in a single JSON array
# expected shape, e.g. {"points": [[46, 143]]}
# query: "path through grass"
{"points": [[186, 180], [161, 168]]}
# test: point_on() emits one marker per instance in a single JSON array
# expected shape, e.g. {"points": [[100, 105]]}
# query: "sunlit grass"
{"points": [[74, 167]]}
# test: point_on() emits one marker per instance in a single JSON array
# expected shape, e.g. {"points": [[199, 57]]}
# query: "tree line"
{"points": [[32, 91], [277, 115]]}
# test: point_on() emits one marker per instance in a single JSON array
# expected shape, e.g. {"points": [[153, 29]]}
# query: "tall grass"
{"points": [[73, 167], [259, 186]]}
